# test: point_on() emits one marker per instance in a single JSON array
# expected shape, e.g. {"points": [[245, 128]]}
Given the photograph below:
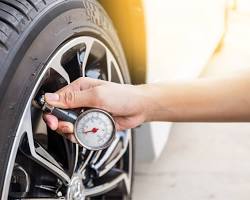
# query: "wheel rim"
{"points": [[83, 174]]}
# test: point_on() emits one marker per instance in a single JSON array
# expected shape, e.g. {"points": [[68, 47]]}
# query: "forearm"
{"points": [[206, 99]]}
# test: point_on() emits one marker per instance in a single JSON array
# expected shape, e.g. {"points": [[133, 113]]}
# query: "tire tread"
{"points": [[33, 4], [18, 6], [15, 15]]}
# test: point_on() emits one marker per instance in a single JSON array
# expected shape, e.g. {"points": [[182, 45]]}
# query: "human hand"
{"points": [[126, 103]]}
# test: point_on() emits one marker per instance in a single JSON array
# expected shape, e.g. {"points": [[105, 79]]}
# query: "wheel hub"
{"points": [[76, 189]]}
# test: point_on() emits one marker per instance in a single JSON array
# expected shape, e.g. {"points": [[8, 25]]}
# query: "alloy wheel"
{"points": [[44, 164]]}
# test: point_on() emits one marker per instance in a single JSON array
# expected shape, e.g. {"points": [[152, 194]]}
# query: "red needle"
{"points": [[94, 130]]}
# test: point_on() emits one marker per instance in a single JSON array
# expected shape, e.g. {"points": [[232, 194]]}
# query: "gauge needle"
{"points": [[94, 130]]}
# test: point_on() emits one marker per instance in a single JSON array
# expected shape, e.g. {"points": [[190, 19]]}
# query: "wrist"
{"points": [[148, 101]]}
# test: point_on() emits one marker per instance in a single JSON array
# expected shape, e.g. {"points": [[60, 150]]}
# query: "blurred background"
{"points": [[195, 161]]}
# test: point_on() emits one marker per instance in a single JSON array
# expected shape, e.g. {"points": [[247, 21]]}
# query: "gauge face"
{"points": [[94, 129]]}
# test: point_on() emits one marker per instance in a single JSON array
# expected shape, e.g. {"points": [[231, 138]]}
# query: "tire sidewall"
{"points": [[59, 22]]}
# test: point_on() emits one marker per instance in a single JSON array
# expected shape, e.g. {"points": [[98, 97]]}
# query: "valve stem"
{"points": [[62, 114]]}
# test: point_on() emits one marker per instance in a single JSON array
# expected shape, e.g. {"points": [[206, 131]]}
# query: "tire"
{"points": [[31, 31]]}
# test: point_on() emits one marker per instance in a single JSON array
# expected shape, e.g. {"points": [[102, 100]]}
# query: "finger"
{"points": [[71, 137], [75, 94], [65, 127], [118, 123], [87, 83], [123, 123], [65, 94], [66, 130], [82, 83], [51, 121], [72, 99]]}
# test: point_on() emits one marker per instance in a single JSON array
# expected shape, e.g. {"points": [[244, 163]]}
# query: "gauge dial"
{"points": [[94, 129]]}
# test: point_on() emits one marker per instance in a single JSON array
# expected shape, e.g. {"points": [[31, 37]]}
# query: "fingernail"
{"points": [[51, 97]]}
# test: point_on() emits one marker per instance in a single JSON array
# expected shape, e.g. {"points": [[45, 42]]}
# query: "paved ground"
{"points": [[201, 162], [205, 161]]}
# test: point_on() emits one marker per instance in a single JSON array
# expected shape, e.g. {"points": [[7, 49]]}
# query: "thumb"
{"points": [[72, 99]]}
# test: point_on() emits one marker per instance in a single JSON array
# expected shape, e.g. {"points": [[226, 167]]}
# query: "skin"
{"points": [[217, 99]]}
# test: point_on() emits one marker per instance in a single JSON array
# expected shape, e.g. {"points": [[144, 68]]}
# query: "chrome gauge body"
{"points": [[94, 129]]}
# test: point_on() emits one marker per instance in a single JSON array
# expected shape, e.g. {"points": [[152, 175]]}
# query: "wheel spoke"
{"points": [[96, 157], [45, 160], [62, 198], [43, 153], [117, 177], [55, 64], [19, 135], [103, 166], [114, 74], [86, 162], [89, 43], [113, 69], [97, 166], [76, 156], [60, 70], [109, 64]]}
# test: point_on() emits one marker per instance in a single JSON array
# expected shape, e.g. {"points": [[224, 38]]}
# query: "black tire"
{"points": [[30, 31]]}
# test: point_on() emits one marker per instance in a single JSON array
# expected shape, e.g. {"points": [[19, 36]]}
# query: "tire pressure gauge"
{"points": [[94, 129]]}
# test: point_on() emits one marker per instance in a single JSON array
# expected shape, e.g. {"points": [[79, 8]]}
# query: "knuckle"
{"points": [[65, 129], [97, 99], [69, 98], [81, 79]]}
